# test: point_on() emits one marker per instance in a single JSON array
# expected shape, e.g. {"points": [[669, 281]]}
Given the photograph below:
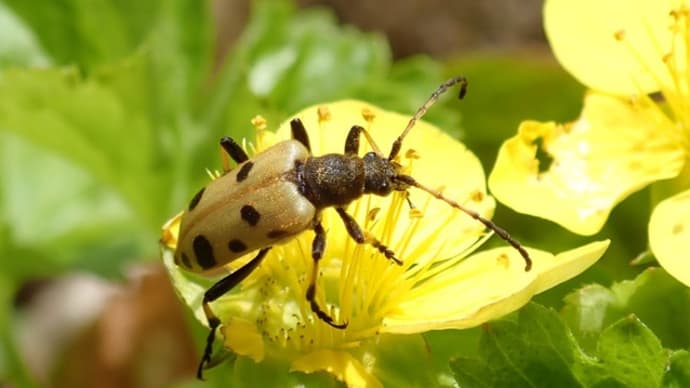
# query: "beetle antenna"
{"points": [[395, 149], [502, 233]]}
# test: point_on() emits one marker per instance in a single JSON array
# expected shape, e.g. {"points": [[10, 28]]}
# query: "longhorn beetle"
{"points": [[280, 192]]}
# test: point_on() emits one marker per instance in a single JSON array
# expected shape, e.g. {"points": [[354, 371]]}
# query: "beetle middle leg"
{"points": [[352, 141], [317, 248], [358, 235], [216, 291]]}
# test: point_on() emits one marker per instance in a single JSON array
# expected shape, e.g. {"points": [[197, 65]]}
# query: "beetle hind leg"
{"points": [[299, 133], [234, 151], [216, 291], [317, 248]]}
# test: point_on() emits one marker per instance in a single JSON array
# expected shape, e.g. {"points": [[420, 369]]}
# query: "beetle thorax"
{"points": [[331, 180]]}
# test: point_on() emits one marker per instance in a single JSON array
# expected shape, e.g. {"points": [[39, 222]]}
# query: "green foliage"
{"points": [[656, 298], [603, 338]]}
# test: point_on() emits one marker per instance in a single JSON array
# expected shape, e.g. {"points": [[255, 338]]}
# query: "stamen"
{"points": [[674, 83], [368, 115], [620, 36], [324, 113], [259, 123]]}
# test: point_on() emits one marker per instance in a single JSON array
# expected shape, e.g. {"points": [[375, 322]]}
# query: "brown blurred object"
{"points": [[444, 27], [436, 27], [131, 335]]}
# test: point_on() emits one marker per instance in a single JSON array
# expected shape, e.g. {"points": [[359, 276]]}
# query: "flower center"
{"points": [[673, 80]]}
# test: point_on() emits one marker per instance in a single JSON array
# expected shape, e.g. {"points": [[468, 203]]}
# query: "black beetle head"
{"points": [[380, 175]]}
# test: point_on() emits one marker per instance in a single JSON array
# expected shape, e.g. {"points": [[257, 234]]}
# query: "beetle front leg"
{"points": [[317, 248], [217, 290], [358, 235], [352, 140]]}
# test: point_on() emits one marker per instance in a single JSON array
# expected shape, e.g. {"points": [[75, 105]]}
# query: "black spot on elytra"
{"points": [[237, 246], [276, 233], [249, 214], [195, 200], [204, 252], [185, 260], [244, 171]]}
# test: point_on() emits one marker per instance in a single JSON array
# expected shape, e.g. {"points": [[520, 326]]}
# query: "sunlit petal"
{"points": [[244, 339], [669, 235], [486, 286], [616, 46], [615, 148]]}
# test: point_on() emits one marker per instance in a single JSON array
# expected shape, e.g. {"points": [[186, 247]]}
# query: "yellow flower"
{"points": [[625, 137], [440, 285]]}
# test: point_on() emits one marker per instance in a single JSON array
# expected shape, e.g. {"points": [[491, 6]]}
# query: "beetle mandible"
{"points": [[280, 192]]}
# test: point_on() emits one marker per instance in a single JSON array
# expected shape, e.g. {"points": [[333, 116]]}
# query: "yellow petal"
{"points": [[669, 235], [486, 286], [583, 38], [170, 231], [568, 264], [340, 364], [244, 339], [616, 147]]}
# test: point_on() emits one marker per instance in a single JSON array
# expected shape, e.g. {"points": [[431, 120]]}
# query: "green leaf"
{"points": [[404, 361], [180, 55], [659, 300], [125, 127], [87, 32], [540, 350], [18, 46], [71, 218], [678, 373], [537, 351], [85, 122], [287, 60], [632, 354]]}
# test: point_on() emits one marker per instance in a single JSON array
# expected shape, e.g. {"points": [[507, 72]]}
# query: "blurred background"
{"points": [[110, 113]]}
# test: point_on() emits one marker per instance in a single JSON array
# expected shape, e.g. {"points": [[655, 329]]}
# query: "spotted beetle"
{"points": [[280, 192]]}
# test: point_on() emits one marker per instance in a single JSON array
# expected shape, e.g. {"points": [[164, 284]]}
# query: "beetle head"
{"points": [[380, 175]]}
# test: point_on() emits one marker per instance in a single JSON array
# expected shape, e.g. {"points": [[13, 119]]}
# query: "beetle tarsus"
{"points": [[317, 248], [217, 290], [354, 230], [213, 323], [316, 309]]}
